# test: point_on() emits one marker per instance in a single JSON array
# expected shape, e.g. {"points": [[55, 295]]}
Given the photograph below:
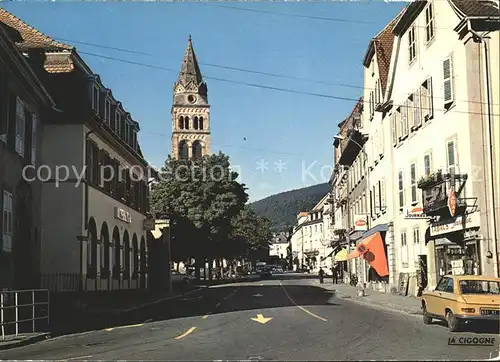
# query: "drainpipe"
{"points": [[492, 215]]}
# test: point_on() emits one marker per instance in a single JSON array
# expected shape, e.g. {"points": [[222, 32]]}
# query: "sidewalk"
{"points": [[409, 305], [22, 340]]}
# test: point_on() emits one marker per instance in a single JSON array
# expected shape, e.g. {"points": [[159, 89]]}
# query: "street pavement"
{"points": [[278, 319]]}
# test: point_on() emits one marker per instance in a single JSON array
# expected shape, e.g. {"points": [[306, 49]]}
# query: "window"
{"points": [[427, 164], [377, 197], [95, 98], [34, 128], [426, 100], [429, 23], [7, 222], [451, 153], [413, 178], [401, 189], [416, 235], [404, 249], [405, 108], [20, 126], [449, 95], [412, 45], [118, 120], [107, 111], [370, 102]]}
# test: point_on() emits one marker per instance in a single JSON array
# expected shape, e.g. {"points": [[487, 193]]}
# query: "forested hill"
{"points": [[282, 208]]}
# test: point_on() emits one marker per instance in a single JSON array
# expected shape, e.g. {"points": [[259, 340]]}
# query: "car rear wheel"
{"points": [[427, 319], [453, 323]]}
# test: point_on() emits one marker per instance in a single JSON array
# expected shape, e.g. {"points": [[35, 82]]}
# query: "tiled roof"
{"points": [[477, 7], [59, 63], [30, 37], [383, 43]]}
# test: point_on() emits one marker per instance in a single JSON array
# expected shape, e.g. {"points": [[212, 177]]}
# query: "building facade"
{"points": [[94, 193], [443, 209], [310, 241], [190, 110], [25, 106]]}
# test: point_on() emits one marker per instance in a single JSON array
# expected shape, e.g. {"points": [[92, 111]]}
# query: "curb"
{"points": [[25, 341], [390, 306]]}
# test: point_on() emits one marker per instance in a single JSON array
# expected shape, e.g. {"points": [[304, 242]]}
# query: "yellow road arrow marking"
{"points": [[186, 333], [261, 319]]}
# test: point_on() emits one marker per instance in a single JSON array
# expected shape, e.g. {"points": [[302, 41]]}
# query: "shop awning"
{"points": [[373, 251], [341, 255]]}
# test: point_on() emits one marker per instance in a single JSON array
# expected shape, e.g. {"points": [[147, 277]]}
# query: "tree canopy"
{"points": [[203, 200]]}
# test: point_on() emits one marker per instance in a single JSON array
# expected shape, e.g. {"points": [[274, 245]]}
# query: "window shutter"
{"points": [[411, 112], [34, 140], [430, 94], [447, 79], [382, 195], [451, 153], [417, 120], [424, 100], [394, 129]]}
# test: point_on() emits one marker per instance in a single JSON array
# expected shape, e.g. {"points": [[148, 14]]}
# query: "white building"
{"points": [[431, 103], [93, 235], [279, 245], [311, 243]]}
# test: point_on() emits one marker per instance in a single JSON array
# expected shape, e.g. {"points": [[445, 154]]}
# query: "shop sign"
{"points": [[360, 223], [123, 215], [149, 223], [416, 213], [456, 225], [452, 202]]}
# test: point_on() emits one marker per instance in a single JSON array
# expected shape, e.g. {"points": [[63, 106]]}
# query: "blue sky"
{"points": [[293, 128]]}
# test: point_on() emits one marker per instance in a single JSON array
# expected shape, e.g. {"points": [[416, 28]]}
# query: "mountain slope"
{"points": [[282, 208]]}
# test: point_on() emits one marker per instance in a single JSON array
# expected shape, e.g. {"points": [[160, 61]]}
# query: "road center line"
{"points": [[73, 358], [300, 307], [186, 333]]}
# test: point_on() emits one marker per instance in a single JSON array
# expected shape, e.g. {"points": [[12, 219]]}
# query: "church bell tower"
{"points": [[190, 110]]}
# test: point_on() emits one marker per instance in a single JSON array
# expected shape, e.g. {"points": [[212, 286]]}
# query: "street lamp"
{"points": [[361, 148]]}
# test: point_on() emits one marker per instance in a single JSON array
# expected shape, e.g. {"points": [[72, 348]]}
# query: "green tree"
{"points": [[201, 197], [250, 235]]}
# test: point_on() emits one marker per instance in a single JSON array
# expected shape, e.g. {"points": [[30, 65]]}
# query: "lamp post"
{"points": [[340, 138]]}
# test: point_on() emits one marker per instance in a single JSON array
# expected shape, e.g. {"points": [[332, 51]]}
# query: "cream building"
{"points": [[379, 150], [310, 241], [434, 103]]}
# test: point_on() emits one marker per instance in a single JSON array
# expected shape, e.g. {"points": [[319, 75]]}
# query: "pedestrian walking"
{"points": [[321, 275], [334, 274]]}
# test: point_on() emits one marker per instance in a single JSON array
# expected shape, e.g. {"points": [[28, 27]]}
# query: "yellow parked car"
{"points": [[461, 299]]}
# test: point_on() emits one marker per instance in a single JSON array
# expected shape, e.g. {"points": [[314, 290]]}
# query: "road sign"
{"points": [[452, 202]]}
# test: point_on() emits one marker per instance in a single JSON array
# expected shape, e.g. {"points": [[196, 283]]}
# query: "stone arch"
{"points": [[116, 252], [183, 149], [195, 122], [200, 123], [197, 149], [105, 246], [92, 248], [126, 255], [186, 122], [181, 122], [135, 257]]}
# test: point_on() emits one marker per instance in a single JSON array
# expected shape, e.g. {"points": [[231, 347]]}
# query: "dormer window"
{"points": [[95, 98], [124, 129], [107, 111], [134, 140], [118, 121]]}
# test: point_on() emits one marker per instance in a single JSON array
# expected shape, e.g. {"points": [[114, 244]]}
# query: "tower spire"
{"points": [[190, 70]]}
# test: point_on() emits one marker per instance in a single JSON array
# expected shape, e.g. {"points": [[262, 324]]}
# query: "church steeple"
{"points": [[190, 70], [190, 110]]}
